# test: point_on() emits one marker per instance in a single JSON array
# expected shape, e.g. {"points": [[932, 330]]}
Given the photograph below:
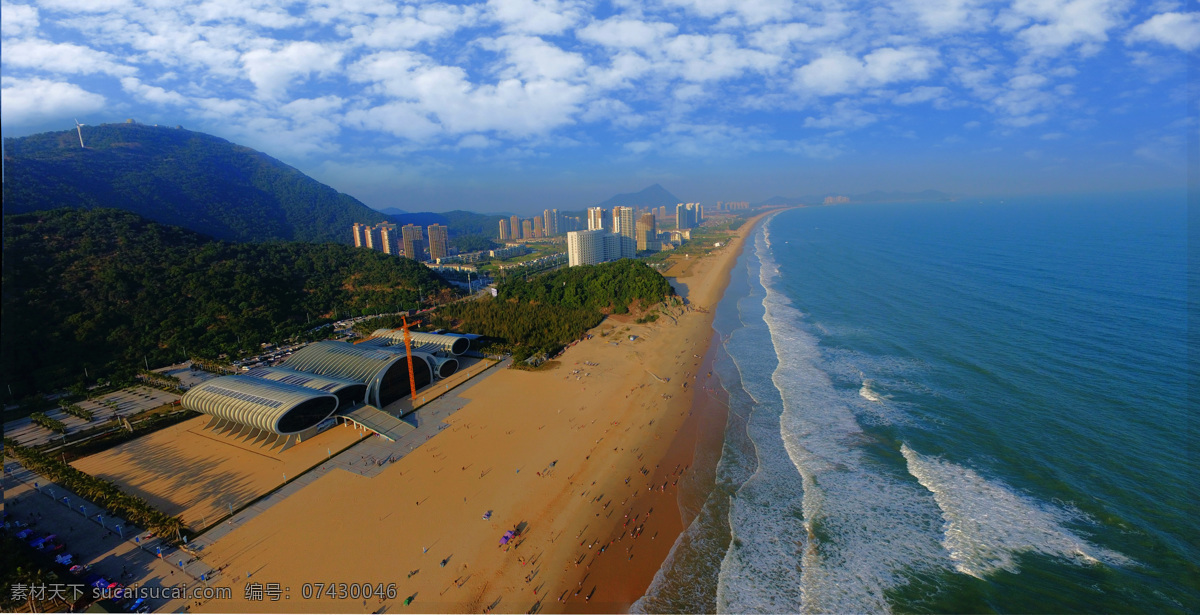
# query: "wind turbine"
{"points": [[79, 129]]}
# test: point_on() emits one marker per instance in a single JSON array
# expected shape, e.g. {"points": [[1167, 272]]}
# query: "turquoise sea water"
{"points": [[952, 407]]}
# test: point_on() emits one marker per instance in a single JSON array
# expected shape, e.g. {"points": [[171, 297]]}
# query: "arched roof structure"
{"points": [[273, 407], [384, 371], [348, 392], [453, 344]]}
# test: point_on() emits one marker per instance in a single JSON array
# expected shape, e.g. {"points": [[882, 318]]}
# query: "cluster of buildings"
{"points": [[835, 200], [732, 205], [549, 224], [617, 234], [408, 241]]}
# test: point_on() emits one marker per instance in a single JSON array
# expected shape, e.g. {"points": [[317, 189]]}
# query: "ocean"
{"points": [[952, 407]]}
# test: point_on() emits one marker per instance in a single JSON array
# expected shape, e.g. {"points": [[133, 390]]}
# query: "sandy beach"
{"points": [[584, 460]]}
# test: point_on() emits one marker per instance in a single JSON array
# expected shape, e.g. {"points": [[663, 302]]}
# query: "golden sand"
{"points": [[557, 453]]}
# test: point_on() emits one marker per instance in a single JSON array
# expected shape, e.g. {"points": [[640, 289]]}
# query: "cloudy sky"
{"points": [[522, 104]]}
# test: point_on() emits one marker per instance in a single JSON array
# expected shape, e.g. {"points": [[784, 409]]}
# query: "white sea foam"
{"points": [[868, 393], [855, 531], [986, 523]]}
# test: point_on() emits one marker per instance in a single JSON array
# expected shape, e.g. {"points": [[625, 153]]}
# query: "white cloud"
{"points": [[476, 142], [61, 58], [529, 57], [535, 16], [402, 119], [152, 93], [625, 33], [780, 38], [748, 11], [18, 19], [835, 72], [1054, 25], [707, 58], [414, 26], [446, 93], [921, 94], [945, 16], [524, 74], [272, 72], [843, 115], [1179, 30], [27, 101]]}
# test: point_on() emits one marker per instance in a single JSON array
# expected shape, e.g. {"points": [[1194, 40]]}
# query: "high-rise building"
{"points": [[414, 242], [374, 240], [662, 211], [550, 219], [686, 215], [596, 220], [389, 238], [586, 247], [623, 222], [647, 232], [527, 229], [538, 227], [360, 231], [515, 223], [598, 246], [505, 230], [439, 242]]}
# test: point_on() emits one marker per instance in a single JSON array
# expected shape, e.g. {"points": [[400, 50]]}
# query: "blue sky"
{"points": [[524, 104]]}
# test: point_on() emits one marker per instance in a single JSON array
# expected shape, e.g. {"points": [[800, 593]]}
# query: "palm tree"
{"points": [[32, 578]]}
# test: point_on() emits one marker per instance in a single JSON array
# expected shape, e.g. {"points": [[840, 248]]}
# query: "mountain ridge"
{"points": [[651, 196], [875, 196], [178, 177]]}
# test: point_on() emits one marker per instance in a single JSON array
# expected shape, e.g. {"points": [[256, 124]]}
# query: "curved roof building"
{"points": [[384, 371], [453, 344], [348, 392], [270, 406]]}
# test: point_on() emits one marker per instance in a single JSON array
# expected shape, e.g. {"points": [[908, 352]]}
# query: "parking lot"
{"points": [[124, 403], [92, 537]]}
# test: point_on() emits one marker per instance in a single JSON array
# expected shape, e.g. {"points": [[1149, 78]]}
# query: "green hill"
{"points": [[177, 177], [108, 290]]}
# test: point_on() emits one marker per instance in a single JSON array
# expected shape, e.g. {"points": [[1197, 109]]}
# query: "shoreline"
{"points": [[703, 430], [562, 455]]}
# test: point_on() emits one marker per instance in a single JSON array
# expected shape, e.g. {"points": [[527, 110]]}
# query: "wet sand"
{"points": [[562, 456]]}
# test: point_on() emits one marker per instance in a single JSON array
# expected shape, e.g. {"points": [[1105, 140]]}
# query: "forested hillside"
{"points": [[609, 287], [549, 311], [106, 290], [177, 177]]}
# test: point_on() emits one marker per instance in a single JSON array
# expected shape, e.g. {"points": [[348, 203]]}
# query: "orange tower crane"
{"points": [[412, 380]]}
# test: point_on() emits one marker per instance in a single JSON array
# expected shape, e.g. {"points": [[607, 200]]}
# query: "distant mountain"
{"points": [[778, 200], [654, 196], [391, 211], [877, 196], [178, 177]]}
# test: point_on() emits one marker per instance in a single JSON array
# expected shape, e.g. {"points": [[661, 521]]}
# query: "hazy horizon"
{"points": [[519, 105]]}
